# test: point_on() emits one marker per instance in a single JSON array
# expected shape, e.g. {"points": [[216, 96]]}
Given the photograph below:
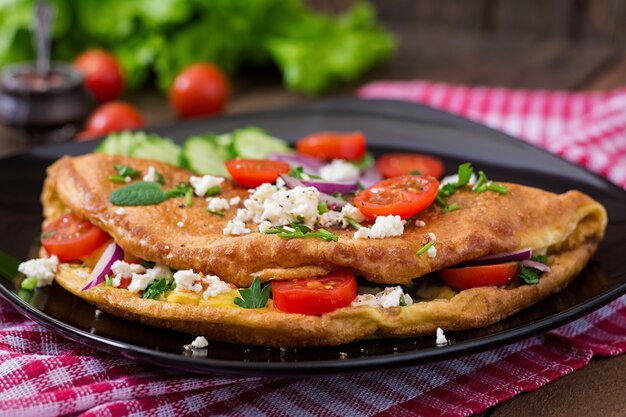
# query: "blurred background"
{"points": [[270, 53]]}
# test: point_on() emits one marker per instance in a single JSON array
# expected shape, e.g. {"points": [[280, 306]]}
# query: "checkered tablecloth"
{"points": [[42, 374]]}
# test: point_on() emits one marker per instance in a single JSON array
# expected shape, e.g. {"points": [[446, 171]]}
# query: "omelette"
{"points": [[228, 246]]}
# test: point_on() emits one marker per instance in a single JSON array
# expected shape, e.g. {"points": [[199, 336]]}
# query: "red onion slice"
{"points": [[310, 164], [518, 255], [292, 182], [536, 265], [330, 187], [111, 254], [370, 177]]}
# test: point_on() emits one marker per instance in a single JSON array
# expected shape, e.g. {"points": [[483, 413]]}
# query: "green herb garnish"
{"points": [[300, 230], [254, 296], [188, 197], [464, 175], [360, 186], [402, 301], [48, 233], [154, 290], [108, 281], [529, 274], [353, 222], [159, 178], [414, 172], [366, 162], [217, 212], [425, 248], [211, 191], [29, 283], [298, 172], [450, 207], [125, 171], [147, 264], [144, 193]]}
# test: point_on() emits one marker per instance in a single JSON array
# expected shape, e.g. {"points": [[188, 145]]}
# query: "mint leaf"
{"points": [[254, 297], [142, 193]]}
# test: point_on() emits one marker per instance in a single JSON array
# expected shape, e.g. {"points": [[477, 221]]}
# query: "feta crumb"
{"points": [[339, 170], [121, 269], [280, 183], [265, 225], [159, 271], [235, 227], [217, 204], [202, 184], [215, 286], [389, 297], [151, 175], [42, 269], [180, 224], [140, 282], [120, 211], [234, 201], [331, 219], [432, 251], [384, 226], [187, 280], [441, 338], [199, 343], [420, 223], [354, 213], [127, 179]]}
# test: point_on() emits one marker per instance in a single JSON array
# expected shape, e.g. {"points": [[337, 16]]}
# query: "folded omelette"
{"points": [[566, 227]]}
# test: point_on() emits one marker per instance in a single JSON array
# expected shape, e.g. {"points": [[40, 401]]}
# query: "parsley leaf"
{"points": [[464, 175], [425, 248], [450, 207], [254, 296], [108, 281], [529, 275], [402, 301], [322, 208], [154, 290], [216, 212], [125, 171], [353, 222]]}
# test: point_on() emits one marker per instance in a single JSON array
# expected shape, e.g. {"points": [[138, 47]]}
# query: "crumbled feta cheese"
{"points": [[202, 184], [332, 219], [235, 227], [265, 225], [389, 297], [432, 251], [217, 204], [339, 170], [280, 206], [159, 271], [215, 286], [180, 224], [121, 269], [384, 226], [420, 223], [120, 211], [354, 213], [42, 269], [151, 175], [199, 343], [140, 282], [187, 280], [452, 179], [441, 338], [234, 201], [280, 183]]}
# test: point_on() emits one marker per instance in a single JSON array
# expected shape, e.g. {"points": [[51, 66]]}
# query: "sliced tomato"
{"points": [[479, 276], [70, 237], [397, 164], [403, 196], [350, 146], [254, 172], [316, 295]]}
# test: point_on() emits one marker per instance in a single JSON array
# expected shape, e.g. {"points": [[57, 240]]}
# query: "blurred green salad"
{"points": [[312, 50]]}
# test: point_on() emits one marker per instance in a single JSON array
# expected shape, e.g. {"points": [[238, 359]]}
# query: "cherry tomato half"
{"points": [[199, 90], [316, 295], [396, 164], [70, 237], [403, 196], [254, 172], [350, 146], [102, 72], [479, 276], [112, 117]]}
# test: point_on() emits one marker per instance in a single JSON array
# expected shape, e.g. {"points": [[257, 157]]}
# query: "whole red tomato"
{"points": [[112, 117], [199, 90], [102, 72]]}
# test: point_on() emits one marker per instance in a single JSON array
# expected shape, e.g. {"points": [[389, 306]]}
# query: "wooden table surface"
{"points": [[599, 388]]}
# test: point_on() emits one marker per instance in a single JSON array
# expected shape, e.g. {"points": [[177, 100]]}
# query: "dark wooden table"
{"points": [[465, 57]]}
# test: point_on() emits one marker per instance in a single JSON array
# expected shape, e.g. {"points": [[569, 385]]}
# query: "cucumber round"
{"points": [[206, 154], [252, 142]]}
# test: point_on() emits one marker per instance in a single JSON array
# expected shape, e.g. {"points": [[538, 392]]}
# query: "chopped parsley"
{"points": [[298, 173], [123, 172], [254, 296], [211, 191], [216, 212], [188, 197], [464, 176], [402, 301], [322, 208], [154, 290], [353, 222], [108, 281], [450, 207], [48, 233], [29, 283], [414, 172], [425, 248], [300, 230], [529, 274]]}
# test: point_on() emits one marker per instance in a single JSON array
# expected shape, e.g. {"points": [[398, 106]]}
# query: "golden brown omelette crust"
{"points": [[487, 223], [476, 307]]}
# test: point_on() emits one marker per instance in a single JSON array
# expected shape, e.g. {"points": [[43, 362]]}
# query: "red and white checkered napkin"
{"points": [[42, 374]]}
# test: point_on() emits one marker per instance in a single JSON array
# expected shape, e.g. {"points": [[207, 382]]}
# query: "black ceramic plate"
{"points": [[390, 126]]}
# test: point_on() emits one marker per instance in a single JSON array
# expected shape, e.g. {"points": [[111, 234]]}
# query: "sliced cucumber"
{"points": [[252, 142], [120, 143], [157, 148], [206, 154]]}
